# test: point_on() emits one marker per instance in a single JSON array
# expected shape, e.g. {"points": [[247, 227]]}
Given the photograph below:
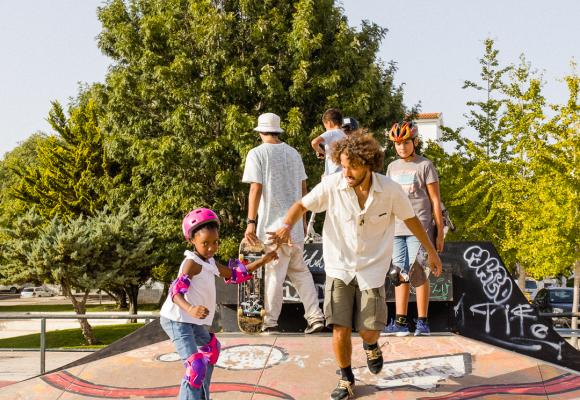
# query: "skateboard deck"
{"points": [[251, 293]]}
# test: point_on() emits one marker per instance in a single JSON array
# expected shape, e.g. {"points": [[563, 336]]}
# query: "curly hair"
{"points": [[361, 148]]}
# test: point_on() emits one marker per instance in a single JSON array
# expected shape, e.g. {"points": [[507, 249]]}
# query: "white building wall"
{"points": [[430, 129]]}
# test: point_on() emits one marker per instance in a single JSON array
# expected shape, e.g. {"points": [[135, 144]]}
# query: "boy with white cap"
{"points": [[277, 179]]}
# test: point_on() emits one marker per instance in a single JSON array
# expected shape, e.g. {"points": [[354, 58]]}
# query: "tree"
{"points": [[104, 251], [189, 79], [66, 180], [519, 186], [474, 186], [485, 114]]}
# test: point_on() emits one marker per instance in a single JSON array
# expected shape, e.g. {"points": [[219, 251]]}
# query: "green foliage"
{"points": [[189, 79], [517, 183], [65, 180]]}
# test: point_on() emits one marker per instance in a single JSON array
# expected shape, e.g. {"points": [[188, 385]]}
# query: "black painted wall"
{"points": [[490, 307]]}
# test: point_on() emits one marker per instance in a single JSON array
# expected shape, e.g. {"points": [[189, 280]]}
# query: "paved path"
{"points": [[302, 368]]}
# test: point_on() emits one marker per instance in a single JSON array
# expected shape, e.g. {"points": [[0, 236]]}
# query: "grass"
{"points": [[69, 308], [71, 338]]}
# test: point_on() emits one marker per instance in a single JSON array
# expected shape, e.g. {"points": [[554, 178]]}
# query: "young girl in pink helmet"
{"points": [[189, 308]]}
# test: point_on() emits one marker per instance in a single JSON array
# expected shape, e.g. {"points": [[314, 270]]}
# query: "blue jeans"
{"points": [[405, 249], [186, 338]]}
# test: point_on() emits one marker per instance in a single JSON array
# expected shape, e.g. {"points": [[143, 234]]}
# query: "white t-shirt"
{"points": [[331, 136], [280, 171], [358, 243], [201, 292]]}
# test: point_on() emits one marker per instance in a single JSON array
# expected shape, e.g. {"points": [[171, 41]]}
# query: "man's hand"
{"points": [[281, 236], [199, 312], [435, 263], [250, 235]]}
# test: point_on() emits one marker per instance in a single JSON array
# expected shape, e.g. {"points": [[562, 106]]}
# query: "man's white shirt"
{"points": [[358, 243]]}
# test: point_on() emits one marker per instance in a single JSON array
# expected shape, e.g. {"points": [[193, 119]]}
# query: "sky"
{"points": [[49, 47]]}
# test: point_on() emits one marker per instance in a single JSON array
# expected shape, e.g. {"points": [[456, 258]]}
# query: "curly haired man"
{"points": [[361, 206]]}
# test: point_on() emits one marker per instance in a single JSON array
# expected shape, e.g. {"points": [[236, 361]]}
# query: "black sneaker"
{"points": [[342, 391], [271, 330], [375, 360], [315, 327]]}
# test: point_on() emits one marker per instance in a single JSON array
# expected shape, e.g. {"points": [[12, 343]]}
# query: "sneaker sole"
{"points": [[423, 334], [317, 330], [399, 334]]}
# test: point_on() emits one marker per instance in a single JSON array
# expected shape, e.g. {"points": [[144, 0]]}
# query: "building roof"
{"points": [[434, 115]]}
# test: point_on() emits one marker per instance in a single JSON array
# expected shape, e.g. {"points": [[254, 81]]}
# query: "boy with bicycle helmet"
{"points": [[418, 178], [189, 308]]}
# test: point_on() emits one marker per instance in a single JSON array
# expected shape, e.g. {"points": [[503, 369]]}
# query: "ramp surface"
{"points": [[303, 368]]}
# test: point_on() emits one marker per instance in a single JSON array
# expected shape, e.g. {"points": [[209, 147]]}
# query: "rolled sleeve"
{"points": [[316, 200]]}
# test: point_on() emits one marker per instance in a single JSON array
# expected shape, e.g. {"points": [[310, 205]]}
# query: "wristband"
{"points": [[250, 221], [287, 226]]}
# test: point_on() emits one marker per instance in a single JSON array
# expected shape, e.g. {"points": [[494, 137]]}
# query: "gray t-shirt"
{"points": [[414, 176], [280, 171], [331, 136]]}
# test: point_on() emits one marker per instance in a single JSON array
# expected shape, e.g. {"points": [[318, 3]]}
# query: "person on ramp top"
{"points": [[361, 205]]}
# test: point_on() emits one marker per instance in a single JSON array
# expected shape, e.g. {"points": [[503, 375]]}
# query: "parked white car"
{"points": [[36, 292], [12, 288]]}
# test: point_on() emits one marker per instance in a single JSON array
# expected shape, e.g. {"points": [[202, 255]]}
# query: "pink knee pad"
{"points": [[211, 351], [195, 369]]}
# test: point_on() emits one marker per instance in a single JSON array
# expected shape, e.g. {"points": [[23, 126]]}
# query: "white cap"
{"points": [[269, 123]]}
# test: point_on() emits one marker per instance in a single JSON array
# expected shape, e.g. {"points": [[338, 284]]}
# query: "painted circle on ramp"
{"points": [[169, 357], [251, 357]]}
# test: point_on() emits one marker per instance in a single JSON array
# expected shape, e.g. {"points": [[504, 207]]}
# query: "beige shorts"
{"points": [[346, 305]]}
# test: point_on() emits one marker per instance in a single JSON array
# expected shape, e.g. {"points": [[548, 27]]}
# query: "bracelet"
{"points": [[250, 221], [287, 226]]}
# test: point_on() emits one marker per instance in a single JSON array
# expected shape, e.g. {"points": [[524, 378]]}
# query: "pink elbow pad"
{"points": [[180, 285], [239, 272]]}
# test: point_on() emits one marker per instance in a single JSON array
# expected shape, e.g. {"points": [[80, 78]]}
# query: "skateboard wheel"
{"points": [[240, 312], [262, 313]]}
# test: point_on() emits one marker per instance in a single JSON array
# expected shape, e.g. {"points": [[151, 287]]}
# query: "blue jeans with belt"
{"points": [[187, 337]]}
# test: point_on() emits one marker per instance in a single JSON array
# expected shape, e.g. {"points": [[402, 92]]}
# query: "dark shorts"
{"points": [[348, 306]]}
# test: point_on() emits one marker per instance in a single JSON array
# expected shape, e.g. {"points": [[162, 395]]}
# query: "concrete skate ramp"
{"points": [[303, 368], [475, 296]]}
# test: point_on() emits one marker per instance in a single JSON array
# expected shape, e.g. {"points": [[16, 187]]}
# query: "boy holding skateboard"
{"points": [[277, 179]]}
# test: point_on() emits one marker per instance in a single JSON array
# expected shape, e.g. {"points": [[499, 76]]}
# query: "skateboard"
{"points": [[419, 271], [251, 293]]}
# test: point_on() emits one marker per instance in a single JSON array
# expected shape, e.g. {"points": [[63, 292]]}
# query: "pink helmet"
{"points": [[195, 219]]}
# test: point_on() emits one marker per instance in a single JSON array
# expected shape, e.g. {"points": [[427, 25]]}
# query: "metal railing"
{"points": [[43, 317]]}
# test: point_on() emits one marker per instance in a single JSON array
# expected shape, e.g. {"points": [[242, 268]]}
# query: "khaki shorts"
{"points": [[348, 306]]}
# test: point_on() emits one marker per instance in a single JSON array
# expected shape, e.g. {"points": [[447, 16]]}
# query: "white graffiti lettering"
{"points": [[314, 260], [423, 373], [496, 284], [518, 314], [290, 294], [539, 330]]}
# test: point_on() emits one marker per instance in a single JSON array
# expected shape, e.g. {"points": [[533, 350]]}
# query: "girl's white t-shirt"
{"points": [[201, 292]]}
